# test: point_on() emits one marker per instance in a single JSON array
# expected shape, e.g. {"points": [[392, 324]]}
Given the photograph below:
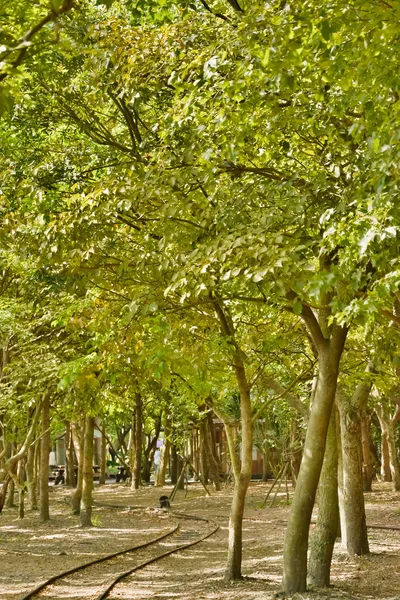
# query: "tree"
{"points": [[225, 165]]}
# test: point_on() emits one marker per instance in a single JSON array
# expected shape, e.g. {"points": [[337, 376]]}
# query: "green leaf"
{"points": [[6, 101], [297, 307]]}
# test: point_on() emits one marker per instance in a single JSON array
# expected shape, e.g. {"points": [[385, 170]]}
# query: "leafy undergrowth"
{"points": [[30, 552]]}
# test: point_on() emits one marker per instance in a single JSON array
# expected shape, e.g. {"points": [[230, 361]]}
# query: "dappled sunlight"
{"points": [[275, 558], [197, 572], [15, 529], [51, 537], [265, 559]]}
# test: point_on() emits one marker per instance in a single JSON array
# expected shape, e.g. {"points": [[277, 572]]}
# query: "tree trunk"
{"points": [[296, 539], [196, 461], [394, 463], [342, 516], [205, 469], [3, 491], [214, 452], [44, 461], [354, 522], [31, 479], [21, 490], [11, 489], [210, 421], [150, 449], [385, 459], [323, 540], [242, 475], [174, 464], [208, 447], [3, 438], [87, 472], [38, 451], [97, 443], [136, 450], [367, 459], [181, 473], [13, 460], [103, 456], [296, 451], [121, 445], [233, 570], [388, 434], [164, 458], [69, 456], [241, 470], [78, 436], [266, 466], [13, 450]]}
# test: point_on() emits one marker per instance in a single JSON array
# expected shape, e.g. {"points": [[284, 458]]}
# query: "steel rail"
{"points": [[54, 578], [154, 559], [104, 594]]}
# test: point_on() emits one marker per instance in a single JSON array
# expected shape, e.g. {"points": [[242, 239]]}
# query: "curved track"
{"points": [[95, 580]]}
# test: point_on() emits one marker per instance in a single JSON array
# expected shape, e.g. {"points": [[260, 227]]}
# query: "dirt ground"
{"points": [[31, 552]]}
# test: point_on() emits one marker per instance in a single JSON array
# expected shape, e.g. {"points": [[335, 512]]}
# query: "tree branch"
{"points": [[294, 401], [27, 442], [312, 323], [110, 291], [229, 437], [52, 15], [219, 15], [133, 129], [268, 173], [235, 5]]}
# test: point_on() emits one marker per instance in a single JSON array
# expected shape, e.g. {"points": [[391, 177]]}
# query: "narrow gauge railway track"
{"points": [[95, 580]]}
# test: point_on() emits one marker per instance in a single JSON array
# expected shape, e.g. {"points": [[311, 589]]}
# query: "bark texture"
{"points": [[353, 519], [103, 455], [21, 489], [366, 452], [387, 423], [148, 454], [136, 450], [87, 472], [242, 468], [164, 457], [205, 468], [214, 459], [323, 539], [209, 450], [44, 461], [266, 465], [174, 464], [180, 484], [31, 479], [3, 491], [342, 516], [11, 488], [296, 539], [69, 456], [296, 451], [78, 436], [15, 457]]}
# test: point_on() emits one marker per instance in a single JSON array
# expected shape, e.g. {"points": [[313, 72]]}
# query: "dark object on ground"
{"points": [[122, 474], [60, 478], [164, 502]]}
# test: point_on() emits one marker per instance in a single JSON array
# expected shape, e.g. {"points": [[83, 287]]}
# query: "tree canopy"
{"points": [[194, 195]]}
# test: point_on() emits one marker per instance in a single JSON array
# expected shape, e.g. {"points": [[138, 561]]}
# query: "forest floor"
{"points": [[31, 552]]}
